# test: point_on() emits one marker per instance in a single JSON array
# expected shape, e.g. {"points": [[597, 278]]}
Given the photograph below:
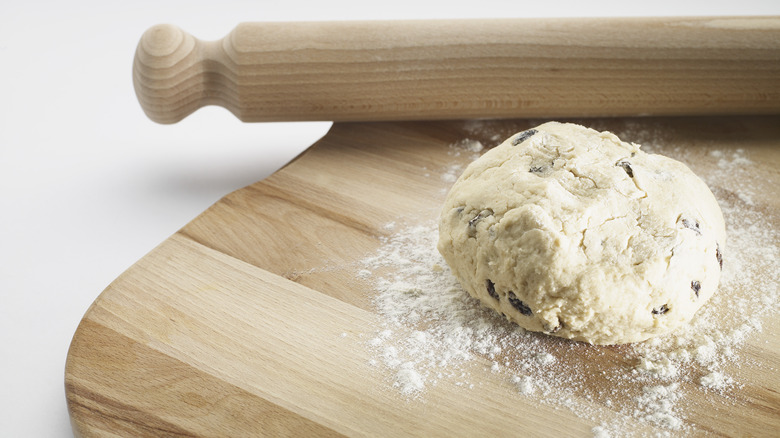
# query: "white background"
{"points": [[88, 184]]}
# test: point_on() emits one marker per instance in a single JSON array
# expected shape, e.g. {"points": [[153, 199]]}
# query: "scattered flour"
{"points": [[408, 379], [452, 173], [657, 403], [663, 367], [431, 327], [469, 145], [600, 431], [524, 384], [715, 380]]}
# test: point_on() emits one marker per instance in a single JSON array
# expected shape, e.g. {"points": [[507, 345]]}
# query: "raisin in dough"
{"points": [[572, 232]]}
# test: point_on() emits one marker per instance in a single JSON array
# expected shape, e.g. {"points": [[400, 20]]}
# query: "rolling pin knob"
{"points": [[174, 74]]}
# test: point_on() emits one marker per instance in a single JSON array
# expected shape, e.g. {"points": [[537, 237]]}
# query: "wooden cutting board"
{"points": [[251, 319]]}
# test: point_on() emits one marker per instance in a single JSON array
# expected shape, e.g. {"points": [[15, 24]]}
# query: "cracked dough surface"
{"points": [[572, 232]]}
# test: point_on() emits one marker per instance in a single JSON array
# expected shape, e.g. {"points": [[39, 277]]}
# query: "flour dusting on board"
{"points": [[432, 329]]}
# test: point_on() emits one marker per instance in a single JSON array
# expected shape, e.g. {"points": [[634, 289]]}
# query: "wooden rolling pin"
{"points": [[496, 68]]}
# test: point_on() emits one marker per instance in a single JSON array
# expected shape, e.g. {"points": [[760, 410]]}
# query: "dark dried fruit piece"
{"points": [[555, 329], [536, 169], [519, 305], [627, 167], [523, 136], [491, 289], [471, 228], [719, 256], [660, 310], [692, 224], [696, 286]]}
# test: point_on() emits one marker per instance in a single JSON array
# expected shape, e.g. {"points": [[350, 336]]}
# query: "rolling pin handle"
{"points": [[456, 69]]}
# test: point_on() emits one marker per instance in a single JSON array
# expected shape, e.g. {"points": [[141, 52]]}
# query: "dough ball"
{"points": [[572, 232]]}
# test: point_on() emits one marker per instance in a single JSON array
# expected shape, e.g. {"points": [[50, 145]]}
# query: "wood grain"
{"points": [[250, 320], [453, 69]]}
